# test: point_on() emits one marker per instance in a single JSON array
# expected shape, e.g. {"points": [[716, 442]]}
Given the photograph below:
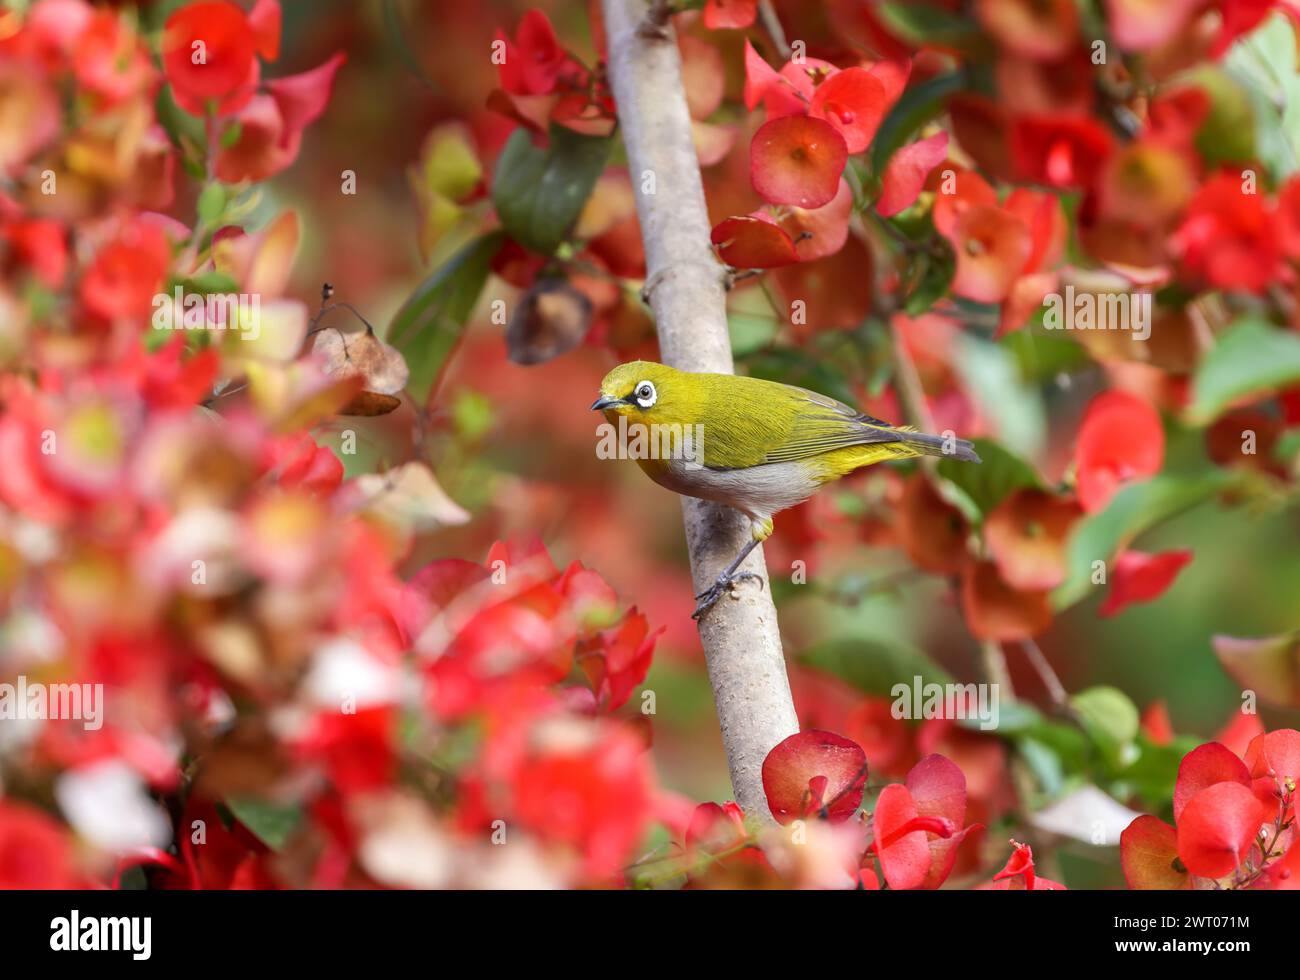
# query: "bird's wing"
{"points": [[752, 422], [827, 424]]}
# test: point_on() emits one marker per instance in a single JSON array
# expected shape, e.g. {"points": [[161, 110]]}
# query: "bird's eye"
{"points": [[645, 394]]}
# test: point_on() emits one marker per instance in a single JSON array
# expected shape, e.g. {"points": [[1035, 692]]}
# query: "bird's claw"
{"points": [[714, 592]]}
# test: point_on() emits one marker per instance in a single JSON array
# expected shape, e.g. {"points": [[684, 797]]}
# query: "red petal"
{"points": [[1217, 829], [797, 160], [264, 19], [302, 98], [753, 243], [1139, 577], [821, 231], [1148, 848], [1205, 766], [938, 789], [904, 854], [1121, 439], [854, 102], [793, 764], [906, 172], [729, 14], [1276, 756]]}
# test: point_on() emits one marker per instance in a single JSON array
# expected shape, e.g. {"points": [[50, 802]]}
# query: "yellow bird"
{"points": [[758, 446]]}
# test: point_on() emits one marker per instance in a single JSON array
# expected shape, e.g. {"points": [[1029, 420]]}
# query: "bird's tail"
{"points": [[948, 447]]}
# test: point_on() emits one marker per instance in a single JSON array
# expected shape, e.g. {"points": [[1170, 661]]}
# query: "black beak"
{"points": [[604, 402]]}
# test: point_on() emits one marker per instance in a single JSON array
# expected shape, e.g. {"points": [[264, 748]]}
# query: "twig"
{"points": [[685, 287], [1055, 689]]}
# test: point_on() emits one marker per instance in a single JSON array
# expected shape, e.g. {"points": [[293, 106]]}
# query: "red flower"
{"points": [[1228, 237], [1139, 577], [1018, 874], [797, 160], [755, 241], [812, 771], [590, 788], [534, 61], [1059, 151], [209, 57], [735, 14], [127, 273], [35, 851], [1121, 440], [271, 126], [906, 172], [917, 825]]}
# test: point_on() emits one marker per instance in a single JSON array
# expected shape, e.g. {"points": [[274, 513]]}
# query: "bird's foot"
{"points": [[714, 592]]}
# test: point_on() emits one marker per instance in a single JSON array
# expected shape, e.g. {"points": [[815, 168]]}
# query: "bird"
{"points": [[755, 445]]}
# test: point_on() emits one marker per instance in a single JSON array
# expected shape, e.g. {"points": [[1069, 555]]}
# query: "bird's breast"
{"points": [[758, 491]]}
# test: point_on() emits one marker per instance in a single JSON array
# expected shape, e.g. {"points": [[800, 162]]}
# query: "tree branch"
{"points": [[686, 291]]}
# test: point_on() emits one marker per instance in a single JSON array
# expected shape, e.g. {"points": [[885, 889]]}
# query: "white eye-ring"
{"points": [[645, 394]]}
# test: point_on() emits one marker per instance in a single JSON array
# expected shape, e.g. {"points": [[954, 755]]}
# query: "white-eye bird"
{"points": [[758, 446]]}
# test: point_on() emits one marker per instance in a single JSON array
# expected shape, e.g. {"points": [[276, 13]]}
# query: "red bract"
{"points": [[854, 101], [814, 771], [1139, 577], [1276, 757], [209, 56], [127, 273], [1203, 767], [1027, 535], [996, 611], [918, 825], [588, 787], [35, 851], [1218, 827], [820, 232], [735, 14], [1229, 237], [534, 61], [1148, 850], [753, 242], [1060, 152], [992, 247], [797, 160], [906, 173], [270, 127], [1019, 875], [1121, 440]]}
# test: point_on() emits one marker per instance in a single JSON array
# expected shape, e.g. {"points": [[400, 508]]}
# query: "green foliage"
{"points": [[429, 325], [1133, 510], [272, 823], [875, 666], [1250, 357], [1001, 473], [539, 192]]}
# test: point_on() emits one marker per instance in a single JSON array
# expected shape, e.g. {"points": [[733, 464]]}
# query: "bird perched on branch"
{"points": [[758, 446]]}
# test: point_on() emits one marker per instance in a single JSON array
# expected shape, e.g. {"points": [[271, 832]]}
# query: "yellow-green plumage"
{"points": [[765, 445]]}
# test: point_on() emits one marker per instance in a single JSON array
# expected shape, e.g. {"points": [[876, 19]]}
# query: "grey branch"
{"points": [[686, 291]]}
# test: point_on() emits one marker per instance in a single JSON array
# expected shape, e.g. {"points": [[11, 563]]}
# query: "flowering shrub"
{"points": [[1071, 231]]}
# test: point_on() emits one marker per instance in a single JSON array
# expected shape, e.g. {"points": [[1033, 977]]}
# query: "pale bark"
{"points": [[686, 289]]}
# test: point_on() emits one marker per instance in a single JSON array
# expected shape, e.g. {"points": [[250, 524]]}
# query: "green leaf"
{"points": [[1042, 355], [207, 283], [915, 107], [1133, 510], [428, 326], [932, 275], [1228, 133], [994, 382], [230, 135], [1250, 357], [987, 484], [750, 332], [212, 204], [272, 823], [1108, 716], [923, 23], [539, 192], [873, 666]]}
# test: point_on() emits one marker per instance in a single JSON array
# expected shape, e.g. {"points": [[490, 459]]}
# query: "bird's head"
{"points": [[642, 390]]}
